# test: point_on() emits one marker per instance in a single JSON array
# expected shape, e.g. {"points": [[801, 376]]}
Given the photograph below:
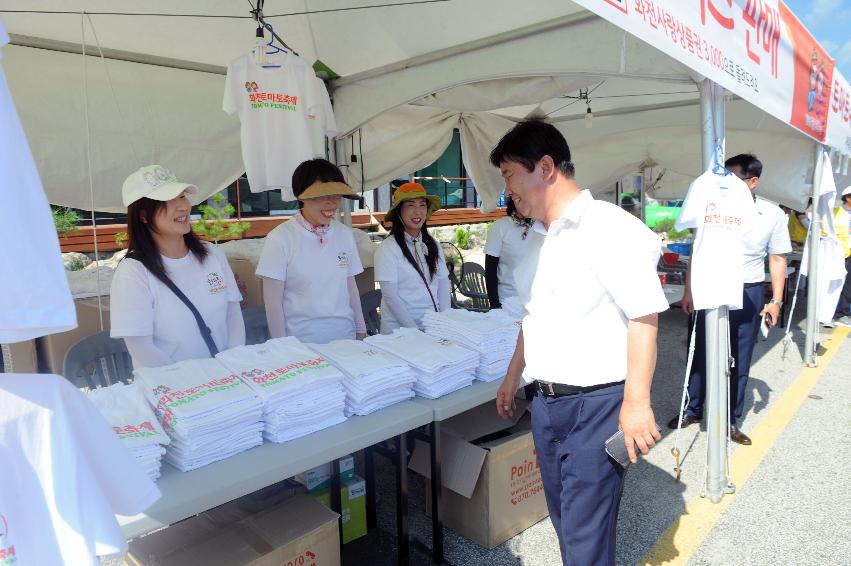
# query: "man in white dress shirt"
{"points": [[591, 296]]}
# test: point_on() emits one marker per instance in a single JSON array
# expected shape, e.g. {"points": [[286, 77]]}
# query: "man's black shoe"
{"points": [[687, 420]]}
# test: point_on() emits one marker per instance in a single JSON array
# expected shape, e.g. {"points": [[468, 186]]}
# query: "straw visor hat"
{"points": [[410, 191], [327, 189]]}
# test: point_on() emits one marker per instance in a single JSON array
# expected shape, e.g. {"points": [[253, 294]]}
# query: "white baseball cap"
{"points": [[847, 191], [157, 183]]}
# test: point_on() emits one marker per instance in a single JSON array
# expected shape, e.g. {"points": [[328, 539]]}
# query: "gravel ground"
{"points": [[764, 523]]}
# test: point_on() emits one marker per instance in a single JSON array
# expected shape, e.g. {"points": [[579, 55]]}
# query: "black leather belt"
{"points": [[754, 284], [561, 390]]}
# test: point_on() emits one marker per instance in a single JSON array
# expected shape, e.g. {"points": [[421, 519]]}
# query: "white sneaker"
{"points": [[844, 321], [831, 324]]}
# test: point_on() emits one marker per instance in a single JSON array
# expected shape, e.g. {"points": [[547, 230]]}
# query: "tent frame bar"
{"points": [[116, 54]]}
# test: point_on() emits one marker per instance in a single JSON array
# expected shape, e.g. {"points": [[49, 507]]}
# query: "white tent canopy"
{"points": [[410, 75]]}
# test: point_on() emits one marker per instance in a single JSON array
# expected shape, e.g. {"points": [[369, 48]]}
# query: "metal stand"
{"points": [[336, 499], [402, 542], [811, 342], [716, 404]]}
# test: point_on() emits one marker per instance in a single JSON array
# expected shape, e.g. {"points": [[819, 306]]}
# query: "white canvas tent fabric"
{"points": [[475, 63]]}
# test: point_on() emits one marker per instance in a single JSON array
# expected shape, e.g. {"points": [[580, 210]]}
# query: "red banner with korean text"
{"points": [[839, 114], [756, 49]]}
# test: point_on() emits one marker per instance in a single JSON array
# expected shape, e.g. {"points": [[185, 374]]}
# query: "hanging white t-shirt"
{"points": [[391, 266], [506, 241], [316, 292], [721, 208], [34, 295], [767, 234], [65, 475], [141, 305], [285, 114]]}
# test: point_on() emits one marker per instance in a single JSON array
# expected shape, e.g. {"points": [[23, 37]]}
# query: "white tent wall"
{"points": [[159, 115]]}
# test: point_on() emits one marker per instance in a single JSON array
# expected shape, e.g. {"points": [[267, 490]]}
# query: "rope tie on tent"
{"points": [[83, 16], [787, 338], [675, 451]]}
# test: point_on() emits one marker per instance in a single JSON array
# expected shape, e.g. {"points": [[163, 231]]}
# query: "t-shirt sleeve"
{"points": [[780, 242], [355, 265], [230, 104], [274, 256], [694, 207], [442, 270], [319, 106], [131, 310], [625, 263], [386, 266], [493, 245], [122, 481], [234, 296]]}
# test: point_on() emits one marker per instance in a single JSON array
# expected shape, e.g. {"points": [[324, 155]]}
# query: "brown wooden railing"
{"points": [[82, 240]]}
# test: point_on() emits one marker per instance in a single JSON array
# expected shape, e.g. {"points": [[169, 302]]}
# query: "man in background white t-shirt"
{"points": [[766, 235]]}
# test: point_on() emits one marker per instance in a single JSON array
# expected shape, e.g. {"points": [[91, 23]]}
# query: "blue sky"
{"points": [[830, 22]]}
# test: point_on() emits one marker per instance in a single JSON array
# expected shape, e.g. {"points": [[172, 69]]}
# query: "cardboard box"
{"points": [[352, 505], [20, 357], [299, 532], [243, 270], [319, 478], [492, 488], [365, 280], [88, 323]]}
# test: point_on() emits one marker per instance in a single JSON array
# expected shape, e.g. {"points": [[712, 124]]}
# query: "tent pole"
{"points": [[716, 402], [346, 204], [811, 342]]}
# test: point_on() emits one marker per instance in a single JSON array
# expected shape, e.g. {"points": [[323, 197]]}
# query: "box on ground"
{"points": [[300, 532], [492, 488], [319, 478], [244, 270], [353, 507], [20, 357]]}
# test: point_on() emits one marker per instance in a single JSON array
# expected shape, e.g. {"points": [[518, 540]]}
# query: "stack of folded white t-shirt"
{"points": [[209, 413], [301, 391], [373, 379], [440, 365], [492, 334], [125, 409]]}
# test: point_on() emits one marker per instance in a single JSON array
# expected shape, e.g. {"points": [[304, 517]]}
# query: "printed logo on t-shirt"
{"points": [[8, 556], [216, 283], [272, 100], [712, 219], [343, 259], [141, 430]]}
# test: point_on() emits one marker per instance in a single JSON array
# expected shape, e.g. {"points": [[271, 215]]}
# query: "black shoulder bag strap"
{"points": [[206, 334]]}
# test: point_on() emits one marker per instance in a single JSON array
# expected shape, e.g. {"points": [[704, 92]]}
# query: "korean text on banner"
{"points": [[756, 49], [839, 116]]}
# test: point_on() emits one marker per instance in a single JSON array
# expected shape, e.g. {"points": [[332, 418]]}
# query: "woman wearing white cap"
{"points": [[165, 260], [308, 264], [409, 265]]}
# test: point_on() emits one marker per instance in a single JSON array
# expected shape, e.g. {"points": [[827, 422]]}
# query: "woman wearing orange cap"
{"points": [[409, 265], [308, 264]]}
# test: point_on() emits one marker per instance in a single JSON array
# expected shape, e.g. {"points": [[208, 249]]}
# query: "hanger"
{"points": [[263, 48], [718, 167]]}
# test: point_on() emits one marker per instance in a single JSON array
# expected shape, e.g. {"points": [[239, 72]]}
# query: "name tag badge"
{"points": [[343, 259], [216, 283]]}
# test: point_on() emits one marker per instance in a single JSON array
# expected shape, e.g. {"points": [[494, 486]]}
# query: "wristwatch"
{"points": [[775, 302]]}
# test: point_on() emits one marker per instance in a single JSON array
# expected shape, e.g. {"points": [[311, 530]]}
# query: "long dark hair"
{"points": [[140, 241], [398, 232]]}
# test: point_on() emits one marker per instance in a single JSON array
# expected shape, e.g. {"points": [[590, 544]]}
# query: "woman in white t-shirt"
{"points": [[504, 249], [157, 326], [409, 264], [309, 263]]}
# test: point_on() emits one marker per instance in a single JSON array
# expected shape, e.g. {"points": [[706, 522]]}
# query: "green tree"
{"points": [[65, 220], [214, 223]]}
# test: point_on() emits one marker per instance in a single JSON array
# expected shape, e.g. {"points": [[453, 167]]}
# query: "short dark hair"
{"points": [[747, 162], [313, 170], [529, 141]]}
